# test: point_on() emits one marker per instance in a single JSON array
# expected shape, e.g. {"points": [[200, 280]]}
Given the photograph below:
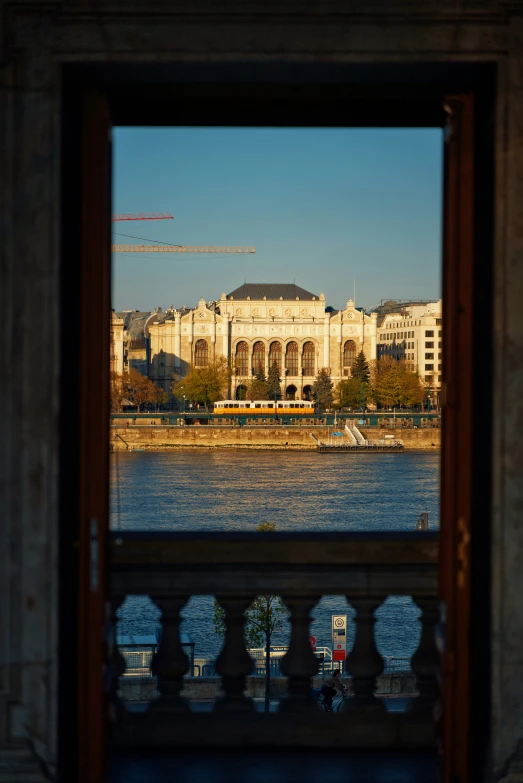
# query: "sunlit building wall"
{"points": [[259, 325], [413, 331]]}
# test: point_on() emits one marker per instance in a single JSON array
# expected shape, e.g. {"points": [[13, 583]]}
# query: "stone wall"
{"points": [[163, 438], [37, 40]]}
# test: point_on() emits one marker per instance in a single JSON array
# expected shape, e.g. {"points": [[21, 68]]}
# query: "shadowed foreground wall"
{"points": [[37, 40]]}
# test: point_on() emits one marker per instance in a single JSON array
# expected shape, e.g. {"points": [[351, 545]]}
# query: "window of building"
{"points": [[429, 332], [429, 345], [429, 367], [438, 322], [429, 356], [201, 353], [307, 393], [242, 359], [291, 358], [275, 355], [258, 357], [439, 367], [308, 359], [290, 393], [349, 353]]}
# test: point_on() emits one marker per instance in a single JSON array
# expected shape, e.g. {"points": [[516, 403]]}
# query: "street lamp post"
{"points": [[184, 404]]}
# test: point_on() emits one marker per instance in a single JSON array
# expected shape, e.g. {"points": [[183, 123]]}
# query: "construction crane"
{"points": [[165, 248], [143, 216], [180, 249]]}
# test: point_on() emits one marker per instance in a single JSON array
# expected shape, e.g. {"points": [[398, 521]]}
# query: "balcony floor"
{"points": [[274, 767]]}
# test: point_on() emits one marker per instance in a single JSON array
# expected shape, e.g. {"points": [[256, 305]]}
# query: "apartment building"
{"points": [[413, 331]]}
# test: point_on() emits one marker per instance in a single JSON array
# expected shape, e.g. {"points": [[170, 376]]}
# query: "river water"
{"points": [[195, 490]]}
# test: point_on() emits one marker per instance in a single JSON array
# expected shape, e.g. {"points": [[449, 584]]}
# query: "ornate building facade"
{"points": [[256, 326]]}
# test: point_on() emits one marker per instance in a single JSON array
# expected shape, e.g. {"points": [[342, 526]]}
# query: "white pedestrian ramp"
{"points": [[354, 434], [351, 436]]}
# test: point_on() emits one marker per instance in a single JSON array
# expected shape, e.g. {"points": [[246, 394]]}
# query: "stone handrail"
{"points": [[301, 568]]}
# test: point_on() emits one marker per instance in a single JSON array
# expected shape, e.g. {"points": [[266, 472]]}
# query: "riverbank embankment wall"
{"points": [[165, 438]]}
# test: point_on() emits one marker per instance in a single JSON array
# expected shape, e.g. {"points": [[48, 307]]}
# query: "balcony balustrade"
{"points": [[301, 569]]}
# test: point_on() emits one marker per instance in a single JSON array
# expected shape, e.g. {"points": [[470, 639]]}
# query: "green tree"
{"points": [[395, 384], [411, 390], [256, 389], [273, 383], [204, 385], [163, 397], [352, 393], [265, 616], [360, 368], [322, 389]]}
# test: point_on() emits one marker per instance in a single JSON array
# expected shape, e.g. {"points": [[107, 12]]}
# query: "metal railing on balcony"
{"points": [[301, 569]]}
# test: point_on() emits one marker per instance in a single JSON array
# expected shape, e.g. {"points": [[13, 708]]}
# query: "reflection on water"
{"points": [[236, 490]]}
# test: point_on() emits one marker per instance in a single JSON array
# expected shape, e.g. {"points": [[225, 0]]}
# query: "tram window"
{"points": [[258, 405], [270, 405]]}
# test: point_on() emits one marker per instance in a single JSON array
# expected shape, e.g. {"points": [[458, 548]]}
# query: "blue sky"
{"points": [[321, 206]]}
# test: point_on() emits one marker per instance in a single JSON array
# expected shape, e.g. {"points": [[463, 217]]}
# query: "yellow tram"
{"points": [[264, 407]]}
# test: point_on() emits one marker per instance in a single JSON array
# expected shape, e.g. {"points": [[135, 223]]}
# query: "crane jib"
{"points": [[180, 249]]}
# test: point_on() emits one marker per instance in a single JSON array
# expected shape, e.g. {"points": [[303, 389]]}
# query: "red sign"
{"points": [[338, 655], [312, 640]]}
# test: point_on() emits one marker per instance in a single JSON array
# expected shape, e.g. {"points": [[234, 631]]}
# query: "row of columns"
{"points": [[364, 663], [267, 365], [226, 341]]}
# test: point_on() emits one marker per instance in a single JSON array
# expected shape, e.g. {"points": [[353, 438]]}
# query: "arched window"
{"points": [[201, 353], [291, 359], [308, 359], [275, 355], [258, 358], [290, 393], [307, 393], [349, 353], [241, 393], [242, 359]]}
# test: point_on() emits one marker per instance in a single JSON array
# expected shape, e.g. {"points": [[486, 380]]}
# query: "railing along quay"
{"points": [[301, 568]]}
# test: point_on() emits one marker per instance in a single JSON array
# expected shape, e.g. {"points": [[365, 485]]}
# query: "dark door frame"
{"points": [[250, 95]]}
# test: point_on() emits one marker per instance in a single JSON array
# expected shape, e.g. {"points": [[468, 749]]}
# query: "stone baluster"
{"points": [[234, 662], [170, 662], [364, 663], [115, 660], [299, 664], [426, 660]]}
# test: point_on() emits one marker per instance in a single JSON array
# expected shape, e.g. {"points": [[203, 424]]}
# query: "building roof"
{"points": [[137, 321], [271, 291]]}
